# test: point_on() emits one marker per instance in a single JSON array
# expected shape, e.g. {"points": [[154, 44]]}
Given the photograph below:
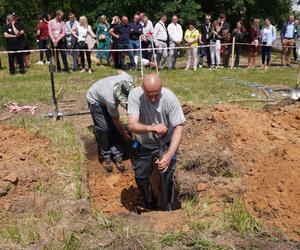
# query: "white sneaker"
{"points": [[40, 63], [195, 68], [47, 62], [82, 71], [200, 66], [187, 68], [90, 71]]}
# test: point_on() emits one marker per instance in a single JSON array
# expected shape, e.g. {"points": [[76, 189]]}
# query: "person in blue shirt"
{"points": [[135, 31], [289, 34], [121, 33]]}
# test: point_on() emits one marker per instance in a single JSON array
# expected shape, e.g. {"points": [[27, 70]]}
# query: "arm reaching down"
{"points": [[164, 163]]}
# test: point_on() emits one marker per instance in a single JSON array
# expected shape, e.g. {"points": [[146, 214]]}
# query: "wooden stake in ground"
{"points": [[298, 79], [232, 52]]}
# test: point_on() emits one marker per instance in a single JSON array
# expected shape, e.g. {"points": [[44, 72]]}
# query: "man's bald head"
{"points": [[152, 85]]}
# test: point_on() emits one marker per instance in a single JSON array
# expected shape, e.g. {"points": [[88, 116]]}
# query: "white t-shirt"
{"points": [[82, 32]]}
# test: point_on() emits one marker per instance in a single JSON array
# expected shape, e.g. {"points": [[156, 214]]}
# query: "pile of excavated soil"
{"points": [[23, 170], [254, 154]]}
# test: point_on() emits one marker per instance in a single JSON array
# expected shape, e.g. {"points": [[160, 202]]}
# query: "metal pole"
{"points": [[232, 52], [141, 56], [154, 56], [52, 70]]}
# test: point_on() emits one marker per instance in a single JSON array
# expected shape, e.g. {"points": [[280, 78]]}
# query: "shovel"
{"points": [[295, 93]]}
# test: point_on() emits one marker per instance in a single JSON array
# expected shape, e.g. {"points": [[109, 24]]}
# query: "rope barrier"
{"points": [[142, 49]]}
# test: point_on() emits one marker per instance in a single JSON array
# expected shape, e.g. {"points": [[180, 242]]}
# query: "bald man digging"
{"points": [[156, 117]]}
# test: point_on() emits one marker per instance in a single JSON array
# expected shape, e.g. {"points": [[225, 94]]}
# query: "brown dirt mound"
{"points": [[260, 149], [23, 172]]}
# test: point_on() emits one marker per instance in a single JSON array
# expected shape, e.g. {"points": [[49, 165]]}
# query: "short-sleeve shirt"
{"points": [[14, 43], [44, 32], [123, 32], [166, 110], [102, 92], [192, 35]]}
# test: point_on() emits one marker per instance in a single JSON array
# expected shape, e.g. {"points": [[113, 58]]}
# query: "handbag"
{"points": [[82, 45]]}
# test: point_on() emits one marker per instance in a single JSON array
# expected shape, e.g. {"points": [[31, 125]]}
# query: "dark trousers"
{"points": [[116, 55], [143, 162], [61, 45], [108, 138], [295, 55], [43, 44], [125, 45], [266, 54], [226, 56], [88, 57], [145, 53], [19, 57], [237, 51], [205, 52]]}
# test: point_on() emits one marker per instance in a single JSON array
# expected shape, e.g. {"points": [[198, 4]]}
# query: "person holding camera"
{"points": [[13, 33]]}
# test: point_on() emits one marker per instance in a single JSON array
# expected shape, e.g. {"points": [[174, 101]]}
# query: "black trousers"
{"points": [[88, 57], [266, 54], [237, 56], [116, 55], [109, 140], [20, 60], [43, 44], [143, 162], [61, 45]]}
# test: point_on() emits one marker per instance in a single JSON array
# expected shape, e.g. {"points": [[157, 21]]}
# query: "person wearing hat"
{"points": [[104, 98]]}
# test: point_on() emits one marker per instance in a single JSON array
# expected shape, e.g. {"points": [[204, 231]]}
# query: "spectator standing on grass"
{"points": [[57, 33], [289, 35], [103, 40], [239, 33], [121, 33], [161, 41], [268, 36], [215, 45], [104, 98], [135, 31], [72, 40], [175, 38], [205, 30], [114, 43], [83, 32], [225, 39], [295, 55], [42, 35], [148, 32], [12, 33], [156, 117], [255, 37], [191, 38], [142, 16]]}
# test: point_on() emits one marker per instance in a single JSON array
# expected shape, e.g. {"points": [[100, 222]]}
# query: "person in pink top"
{"points": [[57, 32]]}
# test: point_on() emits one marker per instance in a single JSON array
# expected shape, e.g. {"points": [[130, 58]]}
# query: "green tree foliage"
{"points": [[186, 9]]}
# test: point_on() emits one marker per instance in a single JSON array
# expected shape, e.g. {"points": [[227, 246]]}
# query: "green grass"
{"points": [[242, 221], [203, 87], [204, 244], [172, 239]]}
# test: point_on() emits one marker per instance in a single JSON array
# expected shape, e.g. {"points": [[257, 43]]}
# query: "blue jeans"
{"points": [[266, 54], [125, 45], [134, 44]]}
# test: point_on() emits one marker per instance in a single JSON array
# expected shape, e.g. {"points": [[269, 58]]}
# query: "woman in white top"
{"points": [[82, 33], [268, 36]]}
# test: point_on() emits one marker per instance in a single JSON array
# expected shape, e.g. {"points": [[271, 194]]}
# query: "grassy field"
{"points": [[204, 87]]}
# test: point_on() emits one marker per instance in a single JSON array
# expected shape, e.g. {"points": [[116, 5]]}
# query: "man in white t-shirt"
{"points": [[161, 41], [156, 118], [175, 37]]}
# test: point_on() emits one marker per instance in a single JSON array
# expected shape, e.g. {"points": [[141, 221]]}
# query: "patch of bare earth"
{"points": [[230, 151]]}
